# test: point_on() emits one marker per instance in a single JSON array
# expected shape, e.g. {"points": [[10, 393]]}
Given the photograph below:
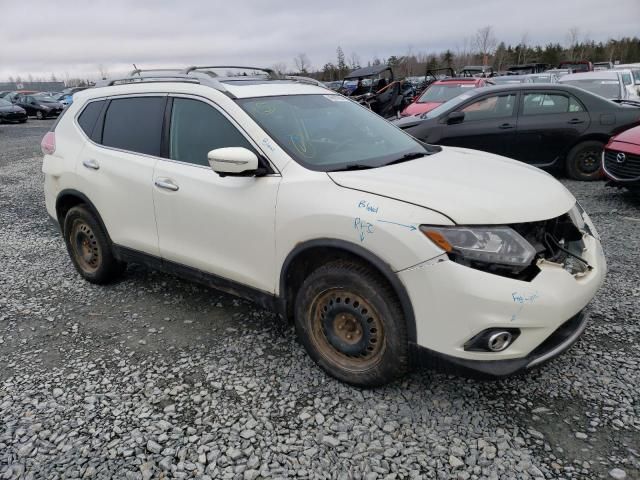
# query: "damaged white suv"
{"points": [[383, 250]]}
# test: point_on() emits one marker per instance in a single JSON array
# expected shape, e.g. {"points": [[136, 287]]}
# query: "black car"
{"points": [[11, 113], [40, 106], [548, 125]]}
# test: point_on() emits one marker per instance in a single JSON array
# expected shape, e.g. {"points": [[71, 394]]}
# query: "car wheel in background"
{"points": [[23, 120], [584, 161], [88, 247], [351, 324], [39, 115]]}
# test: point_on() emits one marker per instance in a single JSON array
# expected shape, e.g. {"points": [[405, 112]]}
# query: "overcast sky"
{"points": [[73, 37]]}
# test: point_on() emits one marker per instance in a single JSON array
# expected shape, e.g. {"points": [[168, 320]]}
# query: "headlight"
{"points": [[582, 221], [488, 245]]}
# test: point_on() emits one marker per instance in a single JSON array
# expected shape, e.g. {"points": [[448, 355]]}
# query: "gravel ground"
{"points": [[155, 377]]}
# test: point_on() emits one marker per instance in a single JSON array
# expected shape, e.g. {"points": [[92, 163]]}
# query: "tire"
{"points": [[351, 324], [584, 161], [89, 248], [39, 115], [23, 121]]}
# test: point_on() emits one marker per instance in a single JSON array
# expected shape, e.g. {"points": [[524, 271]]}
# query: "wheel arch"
{"points": [[309, 255], [599, 137], [69, 198]]}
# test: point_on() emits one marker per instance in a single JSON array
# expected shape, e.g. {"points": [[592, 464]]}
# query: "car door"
{"points": [[489, 124], [220, 225], [549, 122], [27, 103], [115, 171]]}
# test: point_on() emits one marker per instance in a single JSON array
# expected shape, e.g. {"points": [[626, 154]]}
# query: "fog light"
{"points": [[492, 340]]}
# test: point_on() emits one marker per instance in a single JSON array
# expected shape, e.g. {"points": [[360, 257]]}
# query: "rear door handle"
{"points": [[506, 126], [166, 184], [575, 121], [91, 163]]}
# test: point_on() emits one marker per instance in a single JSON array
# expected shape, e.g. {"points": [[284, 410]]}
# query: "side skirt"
{"points": [[261, 298]]}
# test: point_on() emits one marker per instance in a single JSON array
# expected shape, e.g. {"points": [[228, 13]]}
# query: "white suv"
{"points": [[383, 250]]}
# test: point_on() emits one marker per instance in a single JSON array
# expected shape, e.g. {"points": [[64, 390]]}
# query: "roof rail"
{"points": [[138, 71], [149, 79], [271, 73]]}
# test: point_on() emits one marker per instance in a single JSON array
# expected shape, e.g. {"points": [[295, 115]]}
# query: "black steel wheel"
{"points": [[584, 161], [351, 324]]}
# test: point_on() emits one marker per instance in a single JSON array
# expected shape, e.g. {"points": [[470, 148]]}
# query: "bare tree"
{"points": [[572, 40], [302, 62], [279, 67], [354, 61], [522, 51], [103, 72], [485, 42]]}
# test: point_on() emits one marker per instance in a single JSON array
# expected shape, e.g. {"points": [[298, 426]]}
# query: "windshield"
{"points": [[443, 93], [4, 103], [330, 132], [44, 98], [445, 107], [604, 88]]}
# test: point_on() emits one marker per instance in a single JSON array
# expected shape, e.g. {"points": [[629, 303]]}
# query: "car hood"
{"points": [[629, 136], [468, 186], [418, 108], [11, 108]]}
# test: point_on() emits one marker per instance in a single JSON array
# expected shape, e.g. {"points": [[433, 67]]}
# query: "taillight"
{"points": [[48, 144]]}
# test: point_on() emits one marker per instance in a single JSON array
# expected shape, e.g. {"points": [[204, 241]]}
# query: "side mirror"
{"points": [[234, 161], [455, 117]]}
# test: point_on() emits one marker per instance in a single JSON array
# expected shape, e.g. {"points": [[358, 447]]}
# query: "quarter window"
{"points": [[134, 124], [197, 128], [89, 115], [495, 106], [550, 103]]}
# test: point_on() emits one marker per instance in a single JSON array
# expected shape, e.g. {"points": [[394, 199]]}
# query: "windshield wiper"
{"points": [[353, 166], [406, 157]]}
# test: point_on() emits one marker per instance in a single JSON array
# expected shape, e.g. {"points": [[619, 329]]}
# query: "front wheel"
{"points": [[584, 161], [351, 324], [39, 115]]}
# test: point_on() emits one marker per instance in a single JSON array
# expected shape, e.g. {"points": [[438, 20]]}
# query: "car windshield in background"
{"points": [[44, 98], [5, 103], [330, 132], [443, 93], [604, 88], [445, 107]]}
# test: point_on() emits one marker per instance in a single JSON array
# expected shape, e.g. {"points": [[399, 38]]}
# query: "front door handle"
{"points": [[505, 126], [91, 163], [575, 121], [166, 184]]}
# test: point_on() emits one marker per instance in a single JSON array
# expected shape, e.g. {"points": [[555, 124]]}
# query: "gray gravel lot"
{"points": [[155, 377]]}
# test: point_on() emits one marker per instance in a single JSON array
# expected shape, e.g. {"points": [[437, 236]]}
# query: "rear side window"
{"points": [[540, 103], [89, 116], [197, 128], [134, 124]]}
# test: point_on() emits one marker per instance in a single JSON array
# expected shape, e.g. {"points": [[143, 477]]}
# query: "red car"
{"points": [[621, 159], [442, 91]]}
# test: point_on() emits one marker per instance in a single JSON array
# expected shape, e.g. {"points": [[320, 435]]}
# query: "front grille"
{"points": [[629, 169]]}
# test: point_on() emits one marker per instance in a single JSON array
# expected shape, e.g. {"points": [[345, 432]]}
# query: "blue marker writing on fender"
{"points": [[368, 206], [364, 228]]}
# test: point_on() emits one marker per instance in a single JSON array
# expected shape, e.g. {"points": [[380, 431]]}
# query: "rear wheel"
{"points": [[39, 115], [584, 161], [351, 324], [89, 248]]}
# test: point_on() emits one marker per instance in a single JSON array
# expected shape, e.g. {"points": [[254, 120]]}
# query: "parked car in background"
{"points": [[611, 84], [577, 66], [334, 85], [602, 66], [477, 71], [546, 125], [40, 106], [508, 79], [65, 99], [527, 68], [559, 72], [442, 91], [413, 249], [546, 77], [11, 113], [621, 159]]}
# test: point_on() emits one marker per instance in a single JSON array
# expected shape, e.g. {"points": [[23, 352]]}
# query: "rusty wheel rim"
{"points": [[86, 249], [347, 329]]}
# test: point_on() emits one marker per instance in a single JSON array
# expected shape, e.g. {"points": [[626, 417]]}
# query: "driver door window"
{"points": [[494, 106], [197, 128]]}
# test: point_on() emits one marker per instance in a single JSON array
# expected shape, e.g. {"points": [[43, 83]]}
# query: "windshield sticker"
{"points": [[336, 98]]}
